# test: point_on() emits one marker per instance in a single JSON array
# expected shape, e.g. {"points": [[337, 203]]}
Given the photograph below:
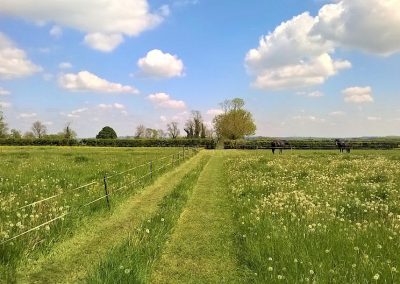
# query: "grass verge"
{"points": [[132, 262], [201, 247]]}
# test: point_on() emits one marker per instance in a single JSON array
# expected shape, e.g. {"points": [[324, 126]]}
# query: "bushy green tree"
{"points": [[68, 133], [235, 122], [16, 134], [107, 133]]}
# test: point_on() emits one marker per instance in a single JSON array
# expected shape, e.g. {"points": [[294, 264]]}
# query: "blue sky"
{"points": [[330, 72]]}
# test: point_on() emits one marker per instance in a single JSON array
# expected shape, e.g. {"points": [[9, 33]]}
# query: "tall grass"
{"points": [[318, 217], [133, 261], [29, 174]]}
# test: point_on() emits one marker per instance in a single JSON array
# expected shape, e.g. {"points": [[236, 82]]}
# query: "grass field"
{"points": [[220, 217], [318, 216], [29, 174]]}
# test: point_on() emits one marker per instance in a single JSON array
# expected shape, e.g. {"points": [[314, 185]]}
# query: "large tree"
{"points": [[235, 122], [16, 134], [140, 131], [107, 133], [68, 133], [173, 130], [194, 125], [39, 129], [3, 126]]}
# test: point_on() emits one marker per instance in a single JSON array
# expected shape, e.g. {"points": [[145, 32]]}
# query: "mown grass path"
{"points": [[70, 261], [201, 248]]}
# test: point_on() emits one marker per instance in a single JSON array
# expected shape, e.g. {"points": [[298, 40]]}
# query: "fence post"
{"points": [[151, 169], [106, 191]]}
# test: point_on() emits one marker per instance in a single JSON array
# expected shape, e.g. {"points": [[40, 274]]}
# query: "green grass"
{"points": [[201, 249], [246, 217], [33, 173], [132, 262], [317, 216]]}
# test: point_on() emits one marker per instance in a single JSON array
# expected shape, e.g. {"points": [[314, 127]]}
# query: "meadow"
{"points": [[66, 179], [234, 216], [317, 217]]}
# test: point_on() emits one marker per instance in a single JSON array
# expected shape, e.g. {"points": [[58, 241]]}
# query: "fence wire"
{"points": [[93, 201]]}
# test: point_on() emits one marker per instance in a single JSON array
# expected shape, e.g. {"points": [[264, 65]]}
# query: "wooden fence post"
{"points": [[106, 192]]}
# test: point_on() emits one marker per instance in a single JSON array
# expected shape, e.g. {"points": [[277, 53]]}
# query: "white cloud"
{"points": [[5, 105], [214, 112], [119, 106], [103, 42], [87, 82], [290, 57], [163, 118], [56, 32], [13, 61], [112, 106], [308, 118], [369, 25], [4, 92], [65, 65], [358, 95], [374, 118], [117, 17], [337, 113], [27, 115], [164, 100], [315, 94], [79, 111], [158, 64]]}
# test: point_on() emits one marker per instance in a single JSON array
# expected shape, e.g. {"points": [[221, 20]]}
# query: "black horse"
{"points": [[278, 144], [343, 146]]}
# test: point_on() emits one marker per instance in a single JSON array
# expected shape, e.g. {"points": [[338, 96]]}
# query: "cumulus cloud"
{"points": [[4, 92], [65, 65], [103, 42], [13, 61], [358, 95], [109, 18], [164, 100], [369, 25], [27, 115], [56, 32], [157, 64], [299, 52], [116, 106], [87, 82], [93, 111], [308, 118], [315, 94], [291, 57]]}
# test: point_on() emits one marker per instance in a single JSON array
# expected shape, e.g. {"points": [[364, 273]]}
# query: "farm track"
{"points": [[70, 261], [201, 248]]}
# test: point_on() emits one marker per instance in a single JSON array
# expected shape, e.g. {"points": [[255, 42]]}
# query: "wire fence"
{"points": [[176, 159]]}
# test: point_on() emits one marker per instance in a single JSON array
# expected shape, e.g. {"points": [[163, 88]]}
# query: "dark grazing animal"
{"points": [[278, 144], [343, 146]]}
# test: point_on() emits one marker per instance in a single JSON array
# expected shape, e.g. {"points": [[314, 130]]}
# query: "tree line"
{"points": [[235, 122]]}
